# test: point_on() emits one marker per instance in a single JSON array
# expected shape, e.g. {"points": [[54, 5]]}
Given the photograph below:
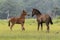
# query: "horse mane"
{"points": [[38, 12]]}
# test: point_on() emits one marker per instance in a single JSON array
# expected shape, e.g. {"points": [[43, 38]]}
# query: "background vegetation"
{"points": [[12, 8]]}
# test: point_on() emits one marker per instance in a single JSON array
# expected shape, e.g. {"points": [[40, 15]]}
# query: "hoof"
{"points": [[23, 29]]}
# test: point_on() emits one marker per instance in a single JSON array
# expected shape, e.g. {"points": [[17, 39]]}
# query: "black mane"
{"points": [[37, 11]]}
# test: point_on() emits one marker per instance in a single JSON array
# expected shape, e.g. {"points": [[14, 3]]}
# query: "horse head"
{"points": [[24, 12], [35, 12]]}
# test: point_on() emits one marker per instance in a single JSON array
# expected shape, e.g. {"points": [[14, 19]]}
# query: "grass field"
{"points": [[30, 32]]}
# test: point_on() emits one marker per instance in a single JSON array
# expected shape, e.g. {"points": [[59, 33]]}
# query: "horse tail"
{"points": [[9, 23], [51, 21]]}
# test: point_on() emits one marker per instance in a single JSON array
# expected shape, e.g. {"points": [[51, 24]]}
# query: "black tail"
{"points": [[51, 21], [9, 23]]}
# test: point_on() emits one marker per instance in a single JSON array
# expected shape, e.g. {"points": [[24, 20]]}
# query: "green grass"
{"points": [[30, 32]]}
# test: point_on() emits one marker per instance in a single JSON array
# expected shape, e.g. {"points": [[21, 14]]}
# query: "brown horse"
{"points": [[20, 20], [42, 18]]}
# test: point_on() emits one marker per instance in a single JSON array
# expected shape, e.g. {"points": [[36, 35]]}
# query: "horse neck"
{"points": [[38, 15]]}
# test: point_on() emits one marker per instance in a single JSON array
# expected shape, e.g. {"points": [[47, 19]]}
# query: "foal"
{"points": [[19, 20]]}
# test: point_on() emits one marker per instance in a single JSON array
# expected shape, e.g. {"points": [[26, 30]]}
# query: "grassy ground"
{"points": [[30, 32]]}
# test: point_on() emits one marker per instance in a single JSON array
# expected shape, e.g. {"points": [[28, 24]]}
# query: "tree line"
{"points": [[13, 8]]}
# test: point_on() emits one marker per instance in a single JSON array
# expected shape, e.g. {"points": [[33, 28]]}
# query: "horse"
{"points": [[18, 20], [42, 18]]}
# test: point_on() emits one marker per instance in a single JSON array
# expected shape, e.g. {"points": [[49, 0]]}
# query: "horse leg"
{"points": [[38, 26], [11, 26], [22, 26], [41, 27], [47, 24]]}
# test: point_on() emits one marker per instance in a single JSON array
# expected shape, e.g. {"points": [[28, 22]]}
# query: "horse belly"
{"points": [[42, 20], [18, 23]]}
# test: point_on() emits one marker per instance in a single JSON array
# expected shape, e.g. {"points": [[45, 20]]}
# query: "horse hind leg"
{"points": [[47, 24], [11, 27], [9, 23]]}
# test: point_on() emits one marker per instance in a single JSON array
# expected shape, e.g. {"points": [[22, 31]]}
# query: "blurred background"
{"points": [[13, 8]]}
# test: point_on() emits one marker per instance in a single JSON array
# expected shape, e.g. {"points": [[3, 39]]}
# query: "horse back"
{"points": [[43, 18], [20, 20], [13, 19]]}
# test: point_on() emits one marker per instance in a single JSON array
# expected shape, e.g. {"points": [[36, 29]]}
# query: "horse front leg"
{"points": [[22, 26], [41, 26], [38, 26]]}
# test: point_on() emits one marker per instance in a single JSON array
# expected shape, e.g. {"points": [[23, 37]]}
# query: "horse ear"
{"points": [[23, 10]]}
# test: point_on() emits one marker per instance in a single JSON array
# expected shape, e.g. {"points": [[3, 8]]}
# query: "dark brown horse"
{"points": [[42, 18], [20, 20]]}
